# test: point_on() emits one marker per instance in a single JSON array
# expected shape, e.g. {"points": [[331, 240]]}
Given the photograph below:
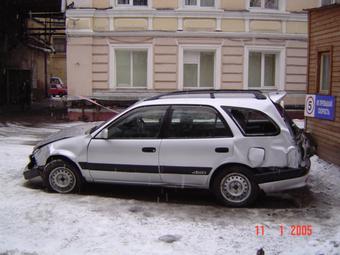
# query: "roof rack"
{"points": [[257, 93]]}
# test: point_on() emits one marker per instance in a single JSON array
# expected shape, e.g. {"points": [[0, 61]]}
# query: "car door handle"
{"points": [[148, 149], [222, 150]]}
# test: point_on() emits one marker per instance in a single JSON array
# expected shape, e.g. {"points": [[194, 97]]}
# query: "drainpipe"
{"points": [[45, 65]]}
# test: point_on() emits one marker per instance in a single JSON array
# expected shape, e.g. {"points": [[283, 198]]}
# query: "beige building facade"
{"points": [[133, 48]]}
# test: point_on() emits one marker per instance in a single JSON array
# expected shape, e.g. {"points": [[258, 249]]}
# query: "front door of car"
{"points": [[196, 139], [130, 151]]}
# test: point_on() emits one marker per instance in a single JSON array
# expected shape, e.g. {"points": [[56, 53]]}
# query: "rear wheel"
{"points": [[62, 177], [235, 186]]}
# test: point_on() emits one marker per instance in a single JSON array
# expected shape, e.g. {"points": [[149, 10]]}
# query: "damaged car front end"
{"points": [[45, 149]]}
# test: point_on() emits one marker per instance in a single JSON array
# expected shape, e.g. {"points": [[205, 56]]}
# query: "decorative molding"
{"points": [[247, 25], [284, 26], [150, 23], [111, 25], [218, 24], [132, 12], [240, 35], [180, 24]]}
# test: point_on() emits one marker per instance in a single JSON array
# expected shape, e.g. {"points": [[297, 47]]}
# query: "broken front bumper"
{"points": [[32, 170]]}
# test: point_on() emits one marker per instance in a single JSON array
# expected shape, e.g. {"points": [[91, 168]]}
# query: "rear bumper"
{"points": [[279, 174], [282, 179], [276, 186]]}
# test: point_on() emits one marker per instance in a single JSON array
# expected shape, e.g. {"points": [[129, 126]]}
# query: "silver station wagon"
{"points": [[234, 143]]}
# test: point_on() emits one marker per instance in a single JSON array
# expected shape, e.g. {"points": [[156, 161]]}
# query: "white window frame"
{"points": [[282, 7], [130, 4], [280, 66], [321, 73], [217, 64], [113, 70], [198, 5]]}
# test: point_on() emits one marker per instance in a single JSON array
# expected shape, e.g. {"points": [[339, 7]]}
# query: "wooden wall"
{"points": [[324, 33]]}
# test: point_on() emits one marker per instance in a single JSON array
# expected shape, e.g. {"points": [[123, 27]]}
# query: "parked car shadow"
{"points": [[299, 198]]}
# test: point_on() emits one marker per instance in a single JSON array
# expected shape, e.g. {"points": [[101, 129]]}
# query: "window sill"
{"points": [[324, 92], [131, 88], [197, 88], [264, 10], [198, 7], [129, 7], [262, 88], [202, 9]]}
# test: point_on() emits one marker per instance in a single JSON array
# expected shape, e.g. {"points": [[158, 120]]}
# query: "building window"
{"points": [[324, 72], [199, 66], [131, 68], [262, 70], [198, 69], [264, 67], [199, 3], [132, 2], [265, 4]]}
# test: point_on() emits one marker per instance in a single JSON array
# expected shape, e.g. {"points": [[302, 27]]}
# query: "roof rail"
{"points": [[257, 93]]}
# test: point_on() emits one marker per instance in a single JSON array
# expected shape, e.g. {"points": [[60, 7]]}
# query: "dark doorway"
{"points": [[18, 87]]}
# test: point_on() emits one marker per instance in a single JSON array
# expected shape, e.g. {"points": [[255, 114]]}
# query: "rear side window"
{"points": [[196, 122], [252, 122]]}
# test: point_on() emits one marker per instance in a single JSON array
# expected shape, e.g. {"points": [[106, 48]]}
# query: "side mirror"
{"points": [[104, 134]]}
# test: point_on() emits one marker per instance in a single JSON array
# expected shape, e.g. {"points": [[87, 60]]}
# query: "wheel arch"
{"points": [[67, 159], [224, 166]]}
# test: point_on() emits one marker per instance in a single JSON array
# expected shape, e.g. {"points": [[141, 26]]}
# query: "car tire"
{"points": [[243, 193], [62, 177]]}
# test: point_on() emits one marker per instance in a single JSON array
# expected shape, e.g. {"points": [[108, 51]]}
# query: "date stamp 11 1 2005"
{"points": [[291, 230]]}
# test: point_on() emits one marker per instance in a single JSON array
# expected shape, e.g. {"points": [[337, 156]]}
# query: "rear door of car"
{"points": [[196, 138], [131, 151]]}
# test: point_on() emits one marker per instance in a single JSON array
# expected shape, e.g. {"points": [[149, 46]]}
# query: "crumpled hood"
{"points": [[67, 133]]}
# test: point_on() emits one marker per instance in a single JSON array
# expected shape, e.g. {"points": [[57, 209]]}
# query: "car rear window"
{"points": [[252, 122], [293, 129]]}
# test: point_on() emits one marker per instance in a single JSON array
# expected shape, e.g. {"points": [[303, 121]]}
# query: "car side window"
{"points": [[196, 122], [252, 122], [140, 123]]}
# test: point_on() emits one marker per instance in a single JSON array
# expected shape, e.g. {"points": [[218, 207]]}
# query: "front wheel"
{"points": [[235, 186], [62, 177]]}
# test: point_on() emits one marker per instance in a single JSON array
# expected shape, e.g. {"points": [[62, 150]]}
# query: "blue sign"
{"points": [[325, 107], [320, 107]]}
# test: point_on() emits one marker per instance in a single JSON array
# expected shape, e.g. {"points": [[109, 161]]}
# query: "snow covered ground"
{"points": [[108, 219]]}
